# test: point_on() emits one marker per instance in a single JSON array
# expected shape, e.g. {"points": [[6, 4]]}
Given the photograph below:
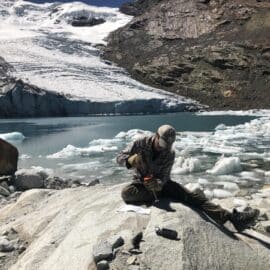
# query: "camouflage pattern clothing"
{"points": [[159, 164]]}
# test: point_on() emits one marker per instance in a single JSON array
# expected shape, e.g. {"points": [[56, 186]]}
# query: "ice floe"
{"points": [[133, 134], [71, 151], [186, 165], [12, 136], [240, 113], [226, 165], [221, 193], [25, 156], [38, 170], [247, 167]]}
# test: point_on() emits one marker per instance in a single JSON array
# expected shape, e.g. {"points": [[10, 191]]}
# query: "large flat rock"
{"points": [[63, 226]]}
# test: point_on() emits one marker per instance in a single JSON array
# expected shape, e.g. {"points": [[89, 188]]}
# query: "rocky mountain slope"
{"points": [[65, 229], [214, 51]]}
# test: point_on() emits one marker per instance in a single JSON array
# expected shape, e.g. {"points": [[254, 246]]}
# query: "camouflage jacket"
{"points": [[157, 164]]}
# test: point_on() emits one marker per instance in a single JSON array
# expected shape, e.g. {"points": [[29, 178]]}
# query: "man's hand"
{"points": [[153, 184], [135, 161]]}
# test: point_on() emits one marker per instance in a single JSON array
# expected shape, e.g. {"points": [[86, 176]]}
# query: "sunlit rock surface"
{"points": [[62, 227]]}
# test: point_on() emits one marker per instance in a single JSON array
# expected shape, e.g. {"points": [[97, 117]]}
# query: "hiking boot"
{"points": [[243, 220]]}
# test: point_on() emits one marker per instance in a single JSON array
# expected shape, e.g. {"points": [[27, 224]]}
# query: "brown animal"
{"points": [[8, 158]]}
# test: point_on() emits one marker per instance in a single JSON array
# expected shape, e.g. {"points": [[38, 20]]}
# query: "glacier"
{"points": [[47, 52]]}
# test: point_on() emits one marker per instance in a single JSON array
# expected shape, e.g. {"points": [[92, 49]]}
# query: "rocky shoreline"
{"points": [[216, 52], [49, 220]]}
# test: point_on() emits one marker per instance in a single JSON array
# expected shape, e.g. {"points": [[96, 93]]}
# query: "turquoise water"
{"points": [[49, 135], [89, 158]]}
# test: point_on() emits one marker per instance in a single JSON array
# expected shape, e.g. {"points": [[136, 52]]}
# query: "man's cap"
{"points": [[167, 136]]}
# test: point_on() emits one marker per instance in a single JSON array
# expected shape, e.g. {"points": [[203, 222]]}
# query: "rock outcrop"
{"points": [[62, 228], [8, 158], [84, 21], [214, 51]]}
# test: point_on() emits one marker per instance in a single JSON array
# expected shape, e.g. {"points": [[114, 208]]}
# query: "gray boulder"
{"points": [[84, 21], [5, 245], [102, 251], [103, 265], [30, 178]]}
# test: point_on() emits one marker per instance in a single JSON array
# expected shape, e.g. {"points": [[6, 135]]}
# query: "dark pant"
{"points": [[137, 193]]}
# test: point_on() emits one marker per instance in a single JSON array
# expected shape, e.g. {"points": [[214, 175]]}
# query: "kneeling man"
{"points": [[152, 157]]}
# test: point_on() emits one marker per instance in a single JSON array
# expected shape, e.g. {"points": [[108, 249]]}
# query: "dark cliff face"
{"points": [[215, 51]]}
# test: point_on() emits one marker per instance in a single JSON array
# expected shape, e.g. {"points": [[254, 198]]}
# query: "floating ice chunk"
{"points": [[104, 142], [185, 166], [240, 113], [220, 148], [221, 193], [228, 186], [208, 194], [71, 151], [253, 176], [267, 173], [240, 202], [121, 135], [133, 134], [193, 187], [220, 127], [228, 178], [203, 181], [80, 166], [226, 165], [25, 156], [13, 136], [37, 170]]}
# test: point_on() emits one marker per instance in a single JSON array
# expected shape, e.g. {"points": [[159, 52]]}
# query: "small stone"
{"points": [[263, 215], [2, 255], [103, 265], [4, 191], [132, 260], [5, 245], [266, 225], [12, 189], [6, 178], [115, 251], [93, 183], [4, 184], [21, 249], [5, 233], [102, 251], [15, 194], [116, 241], [76, 182], [136, 240]]}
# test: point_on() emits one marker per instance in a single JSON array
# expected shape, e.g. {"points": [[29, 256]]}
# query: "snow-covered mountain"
{"points": [[45, 50]]}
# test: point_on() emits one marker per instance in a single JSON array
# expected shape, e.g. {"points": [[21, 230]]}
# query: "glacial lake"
{"points": [[86, 147]]}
